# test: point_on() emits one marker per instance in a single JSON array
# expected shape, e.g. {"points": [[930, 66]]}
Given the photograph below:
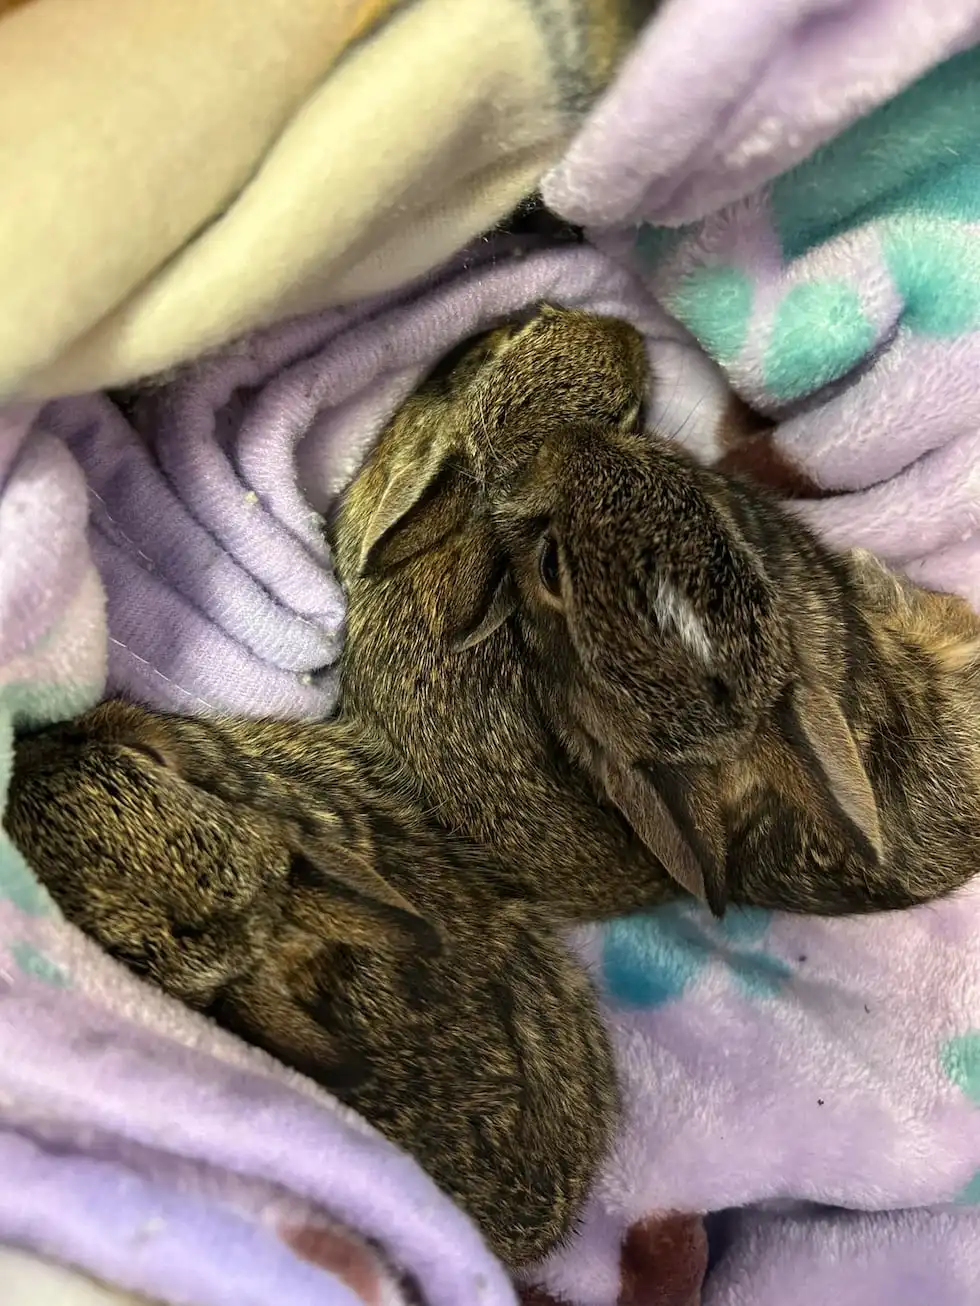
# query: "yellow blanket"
{"points": [[174, 174]]}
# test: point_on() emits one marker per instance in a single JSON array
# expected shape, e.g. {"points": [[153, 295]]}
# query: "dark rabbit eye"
{"points": [[720, 692], [548, 567], [182, 932]]}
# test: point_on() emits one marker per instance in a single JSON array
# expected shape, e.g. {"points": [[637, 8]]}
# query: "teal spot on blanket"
{"points": [[953, 194], [936, 268], [960, 1060], [715, 304], [759, 975], [969, 1194], [819, 333], [19, 885], [38, 966], [651, 959], [914, 155], [655, 245], [744, 925], [33, 704], [648, 960]]}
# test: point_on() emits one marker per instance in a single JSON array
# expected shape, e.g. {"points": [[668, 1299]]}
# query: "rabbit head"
{"points": [[172, 852], [663, 594], [435, 667]]}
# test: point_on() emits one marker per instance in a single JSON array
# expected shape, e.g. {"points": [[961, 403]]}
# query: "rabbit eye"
{"points": [[182, 932], [720, 692], [548, 566]]}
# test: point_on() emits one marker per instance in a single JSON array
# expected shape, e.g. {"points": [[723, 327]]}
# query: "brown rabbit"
{"points": [[533, 576], [267, 874], [417, 551]]}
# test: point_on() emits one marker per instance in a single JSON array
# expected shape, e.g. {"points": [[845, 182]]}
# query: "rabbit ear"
{"points": [[815, 726], [498, 601], [412, 514], [347, 875], [679, 819]]}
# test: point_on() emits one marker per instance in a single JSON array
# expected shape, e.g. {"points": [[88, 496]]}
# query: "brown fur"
{"points": [[469, 724], [816, 753], [265, 873], [314, 887]]}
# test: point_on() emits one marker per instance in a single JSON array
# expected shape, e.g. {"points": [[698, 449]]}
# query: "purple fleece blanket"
{"points": [[112, 1099], [811, 1088], [137, 1141]]}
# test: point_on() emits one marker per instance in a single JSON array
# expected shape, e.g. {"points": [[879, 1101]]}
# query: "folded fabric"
{"points": [[851, 1259], [219, 590], [776, 1059], [716, 99], [137, 1142], [29, 1279], [199, 168], [657, 1261], [52, 610], [843, 300]]}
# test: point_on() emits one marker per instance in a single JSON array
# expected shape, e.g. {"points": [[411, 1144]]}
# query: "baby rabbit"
{"points": [[267, 874], [420, 558], [775, 719], [533, 576]]}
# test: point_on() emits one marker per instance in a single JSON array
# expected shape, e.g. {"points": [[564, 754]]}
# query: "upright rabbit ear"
{"points": [[814, 725], [349, 876], [414, 513], [678, 816]]}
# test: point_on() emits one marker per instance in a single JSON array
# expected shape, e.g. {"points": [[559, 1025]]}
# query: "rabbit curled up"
{"points": [[533, 577], [268, 874]]}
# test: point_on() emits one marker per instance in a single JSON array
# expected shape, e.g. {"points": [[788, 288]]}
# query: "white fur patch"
{"points": [[674, 609]]}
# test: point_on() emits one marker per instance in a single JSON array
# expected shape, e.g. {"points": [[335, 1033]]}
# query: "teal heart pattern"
{"points": [[654, 958]]}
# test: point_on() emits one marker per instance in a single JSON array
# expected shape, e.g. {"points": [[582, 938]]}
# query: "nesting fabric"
{"points": [[196, 169], [169, 548], [840, 297], [204, 494], [784, 203]]}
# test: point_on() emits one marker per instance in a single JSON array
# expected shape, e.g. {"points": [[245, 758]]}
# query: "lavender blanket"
{"points": [[810, 1088]]}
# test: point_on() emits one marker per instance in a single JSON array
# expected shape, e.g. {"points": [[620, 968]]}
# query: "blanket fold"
{"points": [[217, 573], [841, 299], [200, 168]]}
